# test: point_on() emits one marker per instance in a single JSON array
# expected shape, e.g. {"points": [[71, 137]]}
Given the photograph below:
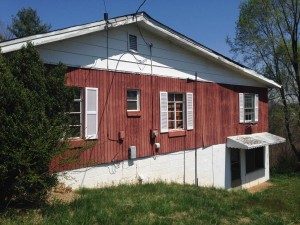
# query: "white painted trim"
{"points": [[94, 136], [163, 108], [138, 100], [189, 111]]}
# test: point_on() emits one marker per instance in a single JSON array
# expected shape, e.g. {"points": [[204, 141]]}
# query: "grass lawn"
{"points": [[172, 204]]}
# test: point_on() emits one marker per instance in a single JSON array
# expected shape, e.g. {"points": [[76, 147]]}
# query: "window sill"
{"points": [[177, 133], [134, 113], [261, 169], [249, 122], [76, 142]]}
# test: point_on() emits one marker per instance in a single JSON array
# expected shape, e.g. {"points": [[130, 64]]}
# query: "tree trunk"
{"points": [[287, 124]]}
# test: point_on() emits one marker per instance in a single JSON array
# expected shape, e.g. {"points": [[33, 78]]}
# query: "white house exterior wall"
{"points": [[213, 170], [89, 51]]}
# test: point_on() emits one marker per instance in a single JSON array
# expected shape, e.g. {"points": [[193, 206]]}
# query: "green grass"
{"points": [[172, 204]]}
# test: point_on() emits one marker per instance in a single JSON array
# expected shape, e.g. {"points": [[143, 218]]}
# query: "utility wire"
{"points": [[104, 3], [140, 6]]}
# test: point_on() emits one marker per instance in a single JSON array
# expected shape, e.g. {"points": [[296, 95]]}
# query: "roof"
{"points": [[148, 23], [250, 141]]}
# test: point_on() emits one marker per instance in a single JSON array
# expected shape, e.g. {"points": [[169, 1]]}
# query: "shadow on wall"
{"points": [[227, 169]]}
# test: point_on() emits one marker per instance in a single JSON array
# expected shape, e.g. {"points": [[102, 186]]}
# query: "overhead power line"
{"points": [[140, 6]]}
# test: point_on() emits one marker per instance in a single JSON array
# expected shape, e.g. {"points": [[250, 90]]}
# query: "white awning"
{"points": [[249, 141]]}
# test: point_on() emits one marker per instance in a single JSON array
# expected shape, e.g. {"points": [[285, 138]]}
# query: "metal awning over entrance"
{"points": [[249, 141]]}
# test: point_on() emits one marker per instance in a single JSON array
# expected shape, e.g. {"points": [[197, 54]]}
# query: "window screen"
{"points": [[255, 159]]}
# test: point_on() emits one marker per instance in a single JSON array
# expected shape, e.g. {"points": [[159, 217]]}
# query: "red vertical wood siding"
{"points": [[216, 113]]}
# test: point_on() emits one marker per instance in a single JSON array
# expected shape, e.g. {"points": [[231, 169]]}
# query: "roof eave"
{"points": [[40, 39]]}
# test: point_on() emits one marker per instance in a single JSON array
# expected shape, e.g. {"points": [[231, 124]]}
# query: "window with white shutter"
{"points": [[91, 113], [248, 105], [163, 112], [189, 111]]}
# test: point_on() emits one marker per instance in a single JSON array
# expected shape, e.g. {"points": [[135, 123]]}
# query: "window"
{"points": [[254, 159], [132, 42], [176, 106], [76, 115], [249, 107], [133, 100]]}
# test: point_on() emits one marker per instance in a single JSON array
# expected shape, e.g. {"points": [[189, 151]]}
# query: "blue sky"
{"points": [[206, 21]]}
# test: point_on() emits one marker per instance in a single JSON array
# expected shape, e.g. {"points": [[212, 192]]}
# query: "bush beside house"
{"points": [[34, 100]]}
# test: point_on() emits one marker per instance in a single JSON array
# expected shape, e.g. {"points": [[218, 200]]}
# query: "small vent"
{"points": [[132, 42]]}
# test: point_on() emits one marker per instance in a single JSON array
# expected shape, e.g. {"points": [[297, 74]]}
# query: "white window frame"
{"points": [[253, 108], [183, 111], [138, 100], [80, 100], [129, 47]]}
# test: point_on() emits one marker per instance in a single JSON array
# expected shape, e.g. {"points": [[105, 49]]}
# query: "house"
{"points": [[153, 104]]}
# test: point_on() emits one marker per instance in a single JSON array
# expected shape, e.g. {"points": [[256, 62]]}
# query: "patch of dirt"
{"points": [[179, 215], [260, 187], [62, 193], [244, 220]]}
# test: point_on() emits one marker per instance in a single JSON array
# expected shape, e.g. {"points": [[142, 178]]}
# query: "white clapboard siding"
{"points": [[189, 111], [241, 107], [168, 59], [163, 112], [256, 102], [91, 113]]}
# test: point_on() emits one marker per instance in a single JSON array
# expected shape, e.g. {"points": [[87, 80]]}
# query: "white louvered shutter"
{"points": [[256, 104], [163, 112], [189, 111], [91, 113], [241, 107]]}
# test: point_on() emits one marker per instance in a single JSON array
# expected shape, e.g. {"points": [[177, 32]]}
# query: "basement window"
{"points": [[132, 42], [75, 114], [255, 159], [133, 100], [176, 106]]}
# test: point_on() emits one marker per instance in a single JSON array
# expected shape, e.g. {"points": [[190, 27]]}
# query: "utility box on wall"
{"points": [[132, 152]]}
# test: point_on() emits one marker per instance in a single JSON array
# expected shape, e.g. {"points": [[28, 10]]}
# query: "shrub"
{"points": [[33, 100]]}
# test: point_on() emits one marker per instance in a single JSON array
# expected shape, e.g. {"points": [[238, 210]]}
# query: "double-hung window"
{"points": [[75, 129], [84, 114], [249, 107], [133, 100], [248, 104], [176, 107]]}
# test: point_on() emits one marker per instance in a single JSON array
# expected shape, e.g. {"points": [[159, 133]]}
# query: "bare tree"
{"points": [[267, 36]]}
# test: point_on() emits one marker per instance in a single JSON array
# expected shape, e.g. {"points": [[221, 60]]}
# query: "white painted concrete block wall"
{"points": [[213, 169], [175, 167]]}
